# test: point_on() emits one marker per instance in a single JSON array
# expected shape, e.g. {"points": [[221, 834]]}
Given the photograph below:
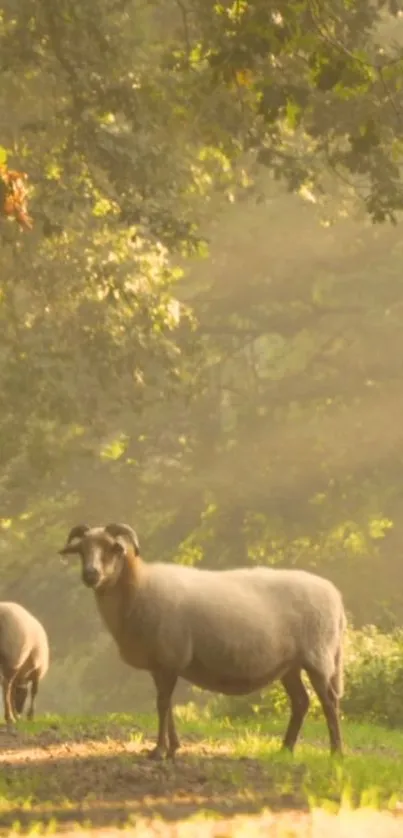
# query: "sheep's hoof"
{"points": [[157, 754], [287, 749], [173, 749], [9, 729]]}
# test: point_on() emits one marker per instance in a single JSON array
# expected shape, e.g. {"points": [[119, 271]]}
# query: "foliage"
{"points": [[238, 409], [316, 88], [374, 677]]}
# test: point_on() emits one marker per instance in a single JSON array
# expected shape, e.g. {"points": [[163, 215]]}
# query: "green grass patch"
{"points": [[92, 770]]}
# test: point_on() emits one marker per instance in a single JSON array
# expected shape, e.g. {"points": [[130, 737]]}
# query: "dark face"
{"points": [[20, 693], [101, 559]]}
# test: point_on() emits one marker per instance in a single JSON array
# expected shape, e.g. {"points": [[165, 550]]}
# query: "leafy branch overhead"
{"points": [[318, 89], [155, 105]]}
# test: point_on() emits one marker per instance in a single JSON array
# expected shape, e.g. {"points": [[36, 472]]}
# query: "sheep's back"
{"points": [[301, 603], [309, 604], [22, 636], [40, 649], [240, 621]]}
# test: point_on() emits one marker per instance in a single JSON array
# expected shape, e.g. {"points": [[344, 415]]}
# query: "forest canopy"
{"points": [[201, 322]]}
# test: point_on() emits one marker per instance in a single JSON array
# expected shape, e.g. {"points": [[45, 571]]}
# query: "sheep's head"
{"points": [[102, 551]]}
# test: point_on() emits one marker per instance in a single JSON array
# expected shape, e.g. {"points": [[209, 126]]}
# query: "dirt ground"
{"points": [[106, 782], [110, 781]]}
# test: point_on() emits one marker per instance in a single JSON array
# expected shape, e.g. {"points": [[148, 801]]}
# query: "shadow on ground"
{"points": [[109, 781]]}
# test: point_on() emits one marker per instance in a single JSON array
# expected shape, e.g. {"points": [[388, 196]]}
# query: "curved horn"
{"points": [[127, 532], [75, 534]]}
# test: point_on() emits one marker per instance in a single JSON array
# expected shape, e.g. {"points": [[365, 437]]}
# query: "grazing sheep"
{"points": [[24, 658], [228, 631]]}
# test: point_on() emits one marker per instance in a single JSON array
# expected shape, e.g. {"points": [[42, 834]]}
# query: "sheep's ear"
{"points": [[74, 539], [70, 549], [125, 532], [120, 546]]}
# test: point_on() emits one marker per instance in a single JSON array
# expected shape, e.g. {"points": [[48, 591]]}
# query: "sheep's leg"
{"points": [[33, 694], [299, 700], [330, 707], [8, 681], [165, 685], [19, 694], [13, 702], [173, 737]]}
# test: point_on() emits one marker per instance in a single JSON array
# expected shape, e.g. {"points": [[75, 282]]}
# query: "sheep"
{"points": [[24, 658], [228, 631]]}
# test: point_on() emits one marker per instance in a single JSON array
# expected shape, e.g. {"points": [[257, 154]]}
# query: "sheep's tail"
{"points": [[337, 679]]}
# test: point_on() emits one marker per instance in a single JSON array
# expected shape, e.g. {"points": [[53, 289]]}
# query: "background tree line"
{"points": [[201, 334]]}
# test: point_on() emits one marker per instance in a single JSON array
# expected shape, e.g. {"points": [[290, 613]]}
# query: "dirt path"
{"points": [[109, 781]]}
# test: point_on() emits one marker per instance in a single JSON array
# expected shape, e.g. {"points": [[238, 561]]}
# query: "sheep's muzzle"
{"points": [[91, 577]]}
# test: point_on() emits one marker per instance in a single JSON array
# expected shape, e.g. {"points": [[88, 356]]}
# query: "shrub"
{"points": [[374, 676]]}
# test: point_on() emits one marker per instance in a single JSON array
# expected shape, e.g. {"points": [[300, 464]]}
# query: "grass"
{"points": [[91, 771]]}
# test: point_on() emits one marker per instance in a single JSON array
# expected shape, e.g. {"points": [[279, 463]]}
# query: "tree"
{"points": [[201, 404]]}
